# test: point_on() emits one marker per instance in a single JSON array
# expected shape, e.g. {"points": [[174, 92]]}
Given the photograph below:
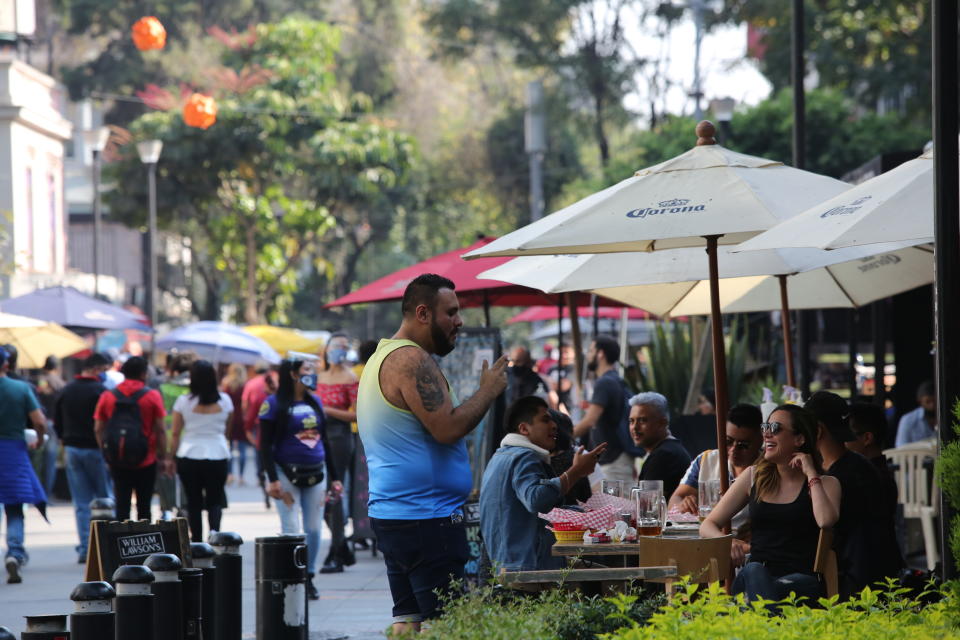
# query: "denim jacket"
{"points": [[517, 485]]}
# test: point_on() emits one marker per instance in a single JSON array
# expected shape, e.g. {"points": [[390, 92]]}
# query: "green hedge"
{"points": [[707, 614], [493, 613], [874, 615]]}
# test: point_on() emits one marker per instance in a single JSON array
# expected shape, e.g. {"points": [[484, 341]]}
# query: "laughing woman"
{"points": [[790, 501]]}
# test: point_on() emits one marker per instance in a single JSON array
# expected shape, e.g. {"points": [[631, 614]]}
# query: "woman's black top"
{"points": [[784, 536]]}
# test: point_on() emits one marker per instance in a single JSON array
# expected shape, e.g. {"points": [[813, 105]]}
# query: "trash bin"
{"points": [[281, 575]]}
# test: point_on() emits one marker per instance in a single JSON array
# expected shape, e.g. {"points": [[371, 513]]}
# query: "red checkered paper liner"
{"points": [[602, 500], [602, 518]]}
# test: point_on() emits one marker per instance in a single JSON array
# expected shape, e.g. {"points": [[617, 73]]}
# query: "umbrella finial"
{"points": [[705, 133]]}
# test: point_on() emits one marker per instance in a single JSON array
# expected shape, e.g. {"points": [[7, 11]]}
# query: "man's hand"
{"points": [[168, 467], [494, 378], [738, 552], [689, 505], [584, 462]]}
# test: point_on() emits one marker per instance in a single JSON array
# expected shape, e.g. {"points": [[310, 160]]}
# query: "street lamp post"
{"points": [[96, 140], [149, 152]]}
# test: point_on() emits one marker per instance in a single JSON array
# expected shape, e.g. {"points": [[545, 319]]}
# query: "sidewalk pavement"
{"points": [[355, 604]]}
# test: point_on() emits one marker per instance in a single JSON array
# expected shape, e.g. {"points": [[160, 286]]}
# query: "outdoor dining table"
{"points": [[623, 549]]}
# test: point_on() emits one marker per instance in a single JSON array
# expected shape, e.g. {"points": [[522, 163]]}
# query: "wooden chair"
{"points": [[917, 490], [703, 559], [826, 562]]}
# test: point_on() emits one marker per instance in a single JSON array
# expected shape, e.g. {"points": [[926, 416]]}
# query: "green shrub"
{"points": [[948, 477], [873, 615], [492, 613]]}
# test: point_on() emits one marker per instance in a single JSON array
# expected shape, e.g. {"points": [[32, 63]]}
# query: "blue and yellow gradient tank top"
{"points": [[412, 476]]}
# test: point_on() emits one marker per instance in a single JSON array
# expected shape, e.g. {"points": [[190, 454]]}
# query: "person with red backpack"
{"points": [[128, 423]]}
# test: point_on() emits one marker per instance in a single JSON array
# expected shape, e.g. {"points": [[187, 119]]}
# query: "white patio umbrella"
{"points": [[894, 206], [675, 282], [708, 195]]}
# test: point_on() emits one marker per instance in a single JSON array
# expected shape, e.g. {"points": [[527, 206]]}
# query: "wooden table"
{"points": [[614, 548]]}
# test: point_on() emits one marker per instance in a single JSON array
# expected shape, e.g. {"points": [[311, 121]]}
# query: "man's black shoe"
{"points": [[312, 593], [332, 565]]}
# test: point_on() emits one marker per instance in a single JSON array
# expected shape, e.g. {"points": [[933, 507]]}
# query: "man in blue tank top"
{"points": [[413, 438]]}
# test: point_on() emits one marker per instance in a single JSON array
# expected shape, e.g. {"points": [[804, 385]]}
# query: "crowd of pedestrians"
{"points": [[128, 432]]}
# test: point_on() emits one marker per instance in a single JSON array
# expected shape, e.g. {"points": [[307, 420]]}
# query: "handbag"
{"points": [[303, 476]]}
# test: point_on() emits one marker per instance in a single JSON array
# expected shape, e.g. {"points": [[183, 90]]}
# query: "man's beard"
{"points": [[442, 345], [592, 365]]}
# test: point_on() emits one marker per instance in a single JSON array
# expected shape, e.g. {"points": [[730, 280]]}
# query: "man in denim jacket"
{"points": [[519, 483]]}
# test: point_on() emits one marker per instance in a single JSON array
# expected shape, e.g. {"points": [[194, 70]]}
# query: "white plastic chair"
{"points": [[917, 490]]}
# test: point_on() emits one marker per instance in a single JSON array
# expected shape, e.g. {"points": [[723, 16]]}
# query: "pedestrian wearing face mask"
{"points": [[337, 388], [294, 449]]}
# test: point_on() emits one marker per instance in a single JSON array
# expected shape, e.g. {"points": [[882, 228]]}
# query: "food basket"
{"points": [[567, 526], [569, 536]]}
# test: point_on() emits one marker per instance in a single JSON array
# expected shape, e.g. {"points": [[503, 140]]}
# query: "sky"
{"points": [[724, 69]]}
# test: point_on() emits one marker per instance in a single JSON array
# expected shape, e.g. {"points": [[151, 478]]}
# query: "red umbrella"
{"points": [[471, 291], [536, 314]]}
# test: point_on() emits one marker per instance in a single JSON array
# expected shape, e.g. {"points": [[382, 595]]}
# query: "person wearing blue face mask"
{"points": [[294, 449], [337, 387]]}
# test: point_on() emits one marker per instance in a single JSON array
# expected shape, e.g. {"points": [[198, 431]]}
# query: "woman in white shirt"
{"points": [[200, 421]]}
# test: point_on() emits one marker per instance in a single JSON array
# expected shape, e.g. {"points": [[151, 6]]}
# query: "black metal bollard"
{"points": [[168, 592], [6, 634], [191, 581], [228, 609], [134, 603], [92, 618], [281, 575], [103, 509], [203, 554], [48, 627]]}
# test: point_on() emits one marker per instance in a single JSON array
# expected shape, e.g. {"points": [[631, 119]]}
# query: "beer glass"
{"points": [[612, 488], [709, 497], [651, 511]]}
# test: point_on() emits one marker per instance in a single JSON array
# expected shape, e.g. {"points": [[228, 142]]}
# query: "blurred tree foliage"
{"points": [[878, 53], [582, 43], [117, 68], [838, 138], [296, 174]]}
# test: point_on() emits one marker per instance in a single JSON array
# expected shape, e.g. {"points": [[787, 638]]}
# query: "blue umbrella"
{"points": [[68, 307], [219, 342]]}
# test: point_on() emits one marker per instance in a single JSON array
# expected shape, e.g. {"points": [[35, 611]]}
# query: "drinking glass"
{"points": [[651, 511], [709, 497], [650, 485], [612, 487]]}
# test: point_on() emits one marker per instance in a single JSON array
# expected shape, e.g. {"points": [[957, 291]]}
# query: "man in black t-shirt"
{"points": [[522, 380], [605, 413], [864, 536], [666, 459]]}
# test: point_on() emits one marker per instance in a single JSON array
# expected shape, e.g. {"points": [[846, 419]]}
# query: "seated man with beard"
{"points": [[519, 483]]}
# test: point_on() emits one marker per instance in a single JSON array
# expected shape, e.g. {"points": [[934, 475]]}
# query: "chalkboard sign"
{"points": [[471, 521], [117, 543]]}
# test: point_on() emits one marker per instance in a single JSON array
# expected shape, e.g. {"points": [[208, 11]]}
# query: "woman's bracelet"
{"points": [[812, 481]]}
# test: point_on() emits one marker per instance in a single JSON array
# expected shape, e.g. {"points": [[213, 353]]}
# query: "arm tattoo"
{"points": [[428, 386]]}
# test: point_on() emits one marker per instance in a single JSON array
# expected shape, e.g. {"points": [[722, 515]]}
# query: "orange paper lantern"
{"points": [[148, 34], [200, 111]]}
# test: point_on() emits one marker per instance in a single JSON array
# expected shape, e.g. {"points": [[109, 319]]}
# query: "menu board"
{"points": [[117, 543], [462, 368]]}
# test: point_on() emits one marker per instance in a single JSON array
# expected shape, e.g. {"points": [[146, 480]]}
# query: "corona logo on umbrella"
{"points": [[148, 33], [200, 111]]}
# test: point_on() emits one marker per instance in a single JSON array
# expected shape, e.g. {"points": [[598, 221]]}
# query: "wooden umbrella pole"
{"points": [[787, 330], [577, 343], [486, 309], [719, 362]]}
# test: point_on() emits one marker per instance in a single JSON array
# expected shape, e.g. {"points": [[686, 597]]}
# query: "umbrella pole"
{"points": [[577, 342], [787, 329], [486, 309], [719, 362], [559, 346]]}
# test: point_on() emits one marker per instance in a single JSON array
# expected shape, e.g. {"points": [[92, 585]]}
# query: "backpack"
{"points": [[125, 445]]}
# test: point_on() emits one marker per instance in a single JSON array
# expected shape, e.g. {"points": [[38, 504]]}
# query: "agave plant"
{"points": [[669, 362]]}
